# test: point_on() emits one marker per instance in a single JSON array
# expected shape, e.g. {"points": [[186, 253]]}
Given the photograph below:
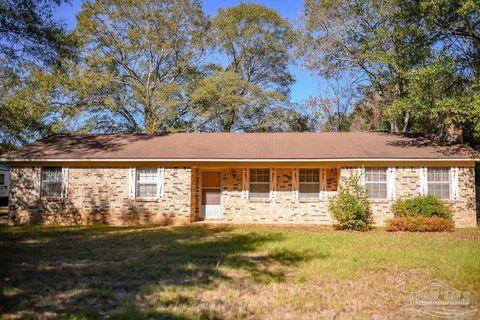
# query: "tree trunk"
{"points": [[454, 133]]}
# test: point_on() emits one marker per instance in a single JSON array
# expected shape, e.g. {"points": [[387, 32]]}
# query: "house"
{"points": [[4, 184], [287, 178]]}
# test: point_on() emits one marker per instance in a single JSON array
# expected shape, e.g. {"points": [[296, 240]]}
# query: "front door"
{"points": [[211, 194]]}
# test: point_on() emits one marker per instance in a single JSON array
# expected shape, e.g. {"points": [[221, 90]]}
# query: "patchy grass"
{"points": [[216, 273]]}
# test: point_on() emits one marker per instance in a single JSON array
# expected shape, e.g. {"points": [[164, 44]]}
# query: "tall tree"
{"points": [[138, 58], [31, 43], [255, 41], [408, 56]]}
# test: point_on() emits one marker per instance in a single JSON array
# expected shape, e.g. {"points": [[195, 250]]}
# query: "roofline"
{"points": [[240, 160]]}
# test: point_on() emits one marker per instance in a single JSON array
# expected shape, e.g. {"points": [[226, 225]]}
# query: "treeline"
{"points": [[166, 66]]}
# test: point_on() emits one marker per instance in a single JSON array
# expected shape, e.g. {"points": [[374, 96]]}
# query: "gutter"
{"points": [[239, 160]]}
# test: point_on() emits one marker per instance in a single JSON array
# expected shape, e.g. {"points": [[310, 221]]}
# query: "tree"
{"points": [[138, 59], [415, 62], [32, 44], [256, 43]]}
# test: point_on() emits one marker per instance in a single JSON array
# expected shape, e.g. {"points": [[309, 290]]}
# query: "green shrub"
{"points": [[350, 207], [424, 206], [420, 224]]}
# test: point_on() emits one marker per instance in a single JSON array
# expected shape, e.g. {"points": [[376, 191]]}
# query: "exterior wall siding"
{"points": [[98, 195]]}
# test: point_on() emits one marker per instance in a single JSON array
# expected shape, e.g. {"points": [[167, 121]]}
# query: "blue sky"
{"points": [[306, 85]]}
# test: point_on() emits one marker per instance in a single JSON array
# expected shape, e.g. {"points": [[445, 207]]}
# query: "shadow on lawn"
{"points": [[100, 271]]}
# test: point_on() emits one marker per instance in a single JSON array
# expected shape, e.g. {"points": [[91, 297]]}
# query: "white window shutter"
{"points": [[131, 182], [361, 175], [245, 183], [454, 189], [323, 183], [273, 183], [423, 181], [64, 182], [160, 182], [391, 183], [295, 183]]}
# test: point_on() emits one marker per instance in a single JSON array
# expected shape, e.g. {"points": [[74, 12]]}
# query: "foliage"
{"points": [[350, 207], [30, 34], [137, 59], [32, 42], [425, 206], [416, 64], [255, 41], [420, 224]]}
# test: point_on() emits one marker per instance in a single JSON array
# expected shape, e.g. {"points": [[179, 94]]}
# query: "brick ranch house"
{"points": [[229, 177]]}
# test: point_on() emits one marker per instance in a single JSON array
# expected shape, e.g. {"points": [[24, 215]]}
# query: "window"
{"points": [[376, 182], [146, 181], [438, 180], [52, 182], [2, 179], [259, 183], [309, 183]]}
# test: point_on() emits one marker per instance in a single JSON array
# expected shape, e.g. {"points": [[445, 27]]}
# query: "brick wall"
{"points": [[407, 184], [284, 208], [99, 195]]}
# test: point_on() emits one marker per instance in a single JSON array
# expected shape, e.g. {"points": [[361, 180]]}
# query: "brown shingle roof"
{"points": [[233, 146]]}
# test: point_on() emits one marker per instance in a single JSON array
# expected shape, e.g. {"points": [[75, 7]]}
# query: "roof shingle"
{"points": [[240, 146]]}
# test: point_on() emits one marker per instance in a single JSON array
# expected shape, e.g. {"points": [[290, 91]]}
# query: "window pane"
{"points": [[259, 190], [375, 174], [52, 182], [376, 190], [259, 175], [439, 182], [147, 175], [438, 175], [146, 183], [309, 175], [441, 190], [2, 179], [146, 190], [309, 191]]}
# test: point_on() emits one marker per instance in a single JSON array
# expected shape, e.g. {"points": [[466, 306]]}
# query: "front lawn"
{"points": [[217, 273]]}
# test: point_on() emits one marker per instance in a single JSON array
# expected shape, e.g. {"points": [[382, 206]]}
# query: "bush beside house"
{"points": [[350, 207], [419, 214]]}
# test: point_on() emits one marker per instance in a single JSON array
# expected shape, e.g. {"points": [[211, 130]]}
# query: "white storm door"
{"points": [[211, 195]]}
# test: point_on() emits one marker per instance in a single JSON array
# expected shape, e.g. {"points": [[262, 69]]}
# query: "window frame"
{"points": [[447, 182], [367, 182], [137, 183], [250, 183], [44, 182], [319, 183]]}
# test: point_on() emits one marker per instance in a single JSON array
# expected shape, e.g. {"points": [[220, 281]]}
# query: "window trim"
{"points": [[449, 182], [62, 183], [159, 183], [320, 191], [269, 183], [365, 182], [132, 184]]}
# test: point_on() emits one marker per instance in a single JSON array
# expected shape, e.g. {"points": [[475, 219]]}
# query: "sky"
{"points": [[306, 84]]}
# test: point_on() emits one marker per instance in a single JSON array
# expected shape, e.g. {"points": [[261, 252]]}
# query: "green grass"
{"points": [[215, 273]]}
